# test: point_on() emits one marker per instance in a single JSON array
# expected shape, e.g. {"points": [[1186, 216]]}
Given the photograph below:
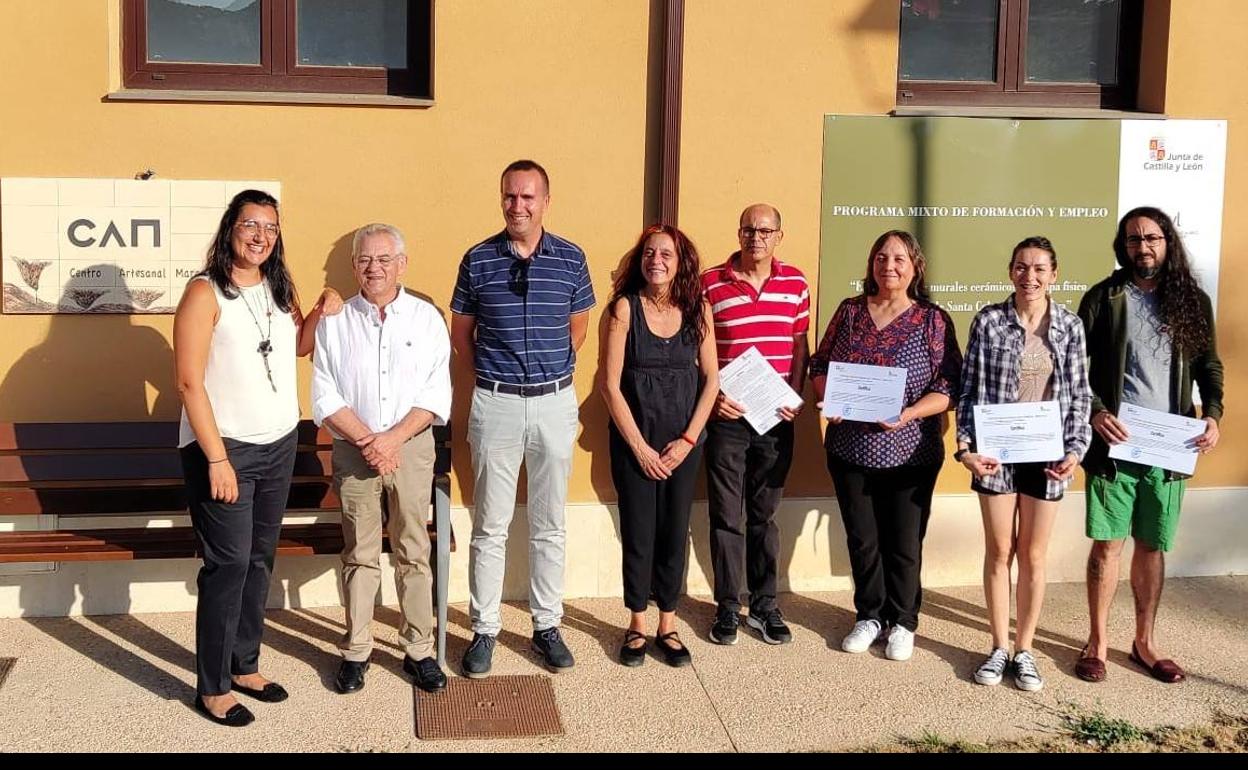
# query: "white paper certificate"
{"points": [[1158, 438], [864, 393], [754, 384], [1028, 432]]}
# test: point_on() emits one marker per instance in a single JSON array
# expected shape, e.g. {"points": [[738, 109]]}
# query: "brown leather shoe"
{"points": [[1163, 670], [1089, 668]]}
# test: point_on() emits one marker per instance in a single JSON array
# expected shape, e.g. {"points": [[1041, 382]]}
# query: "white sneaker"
{"points": [[992, 670], [900, 644], [863, 636], [1026, 676]]}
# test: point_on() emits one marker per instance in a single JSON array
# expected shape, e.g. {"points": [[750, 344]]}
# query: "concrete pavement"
{"points": [[124, 683]]}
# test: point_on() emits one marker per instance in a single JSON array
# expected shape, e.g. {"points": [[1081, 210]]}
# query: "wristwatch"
{"points": [[958, 455]]}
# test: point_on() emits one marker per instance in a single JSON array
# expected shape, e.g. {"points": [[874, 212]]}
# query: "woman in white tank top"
{"points": [[236, 335]]}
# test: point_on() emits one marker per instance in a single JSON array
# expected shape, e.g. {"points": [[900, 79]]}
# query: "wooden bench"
{"points": [[132, 469]]}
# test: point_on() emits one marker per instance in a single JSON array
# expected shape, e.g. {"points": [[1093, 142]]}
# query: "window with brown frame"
{"points": [[374, 47], [1068, 53]]}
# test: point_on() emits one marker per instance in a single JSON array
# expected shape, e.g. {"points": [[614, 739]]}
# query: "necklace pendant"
{"points": [[265, 348]]}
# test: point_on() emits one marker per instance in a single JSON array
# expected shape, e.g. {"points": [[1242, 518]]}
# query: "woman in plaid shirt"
{"points": [[1027, 348]]}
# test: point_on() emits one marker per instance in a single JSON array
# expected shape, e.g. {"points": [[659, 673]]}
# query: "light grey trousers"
{"points": [[505, 431]]}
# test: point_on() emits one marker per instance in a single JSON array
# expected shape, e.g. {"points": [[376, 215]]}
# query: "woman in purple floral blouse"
{"points": [[884, 473]]}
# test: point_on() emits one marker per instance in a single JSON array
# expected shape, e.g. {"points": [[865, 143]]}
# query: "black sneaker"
{"points": [[478, 657], [425, 673], [727, 621], [549, 644], [771, 625]]}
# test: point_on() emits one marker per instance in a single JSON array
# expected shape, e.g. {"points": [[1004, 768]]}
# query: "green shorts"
{"points": [[1138, 502]]}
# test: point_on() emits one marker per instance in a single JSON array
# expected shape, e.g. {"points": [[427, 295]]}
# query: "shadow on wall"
{"points": [[91, 367], [881, 18], [97, 367], [595, 419]]}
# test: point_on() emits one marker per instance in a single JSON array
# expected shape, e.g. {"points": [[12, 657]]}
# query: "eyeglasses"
{"points": [[251, 227], [762, 232], [381, 260], [1134, 241]]}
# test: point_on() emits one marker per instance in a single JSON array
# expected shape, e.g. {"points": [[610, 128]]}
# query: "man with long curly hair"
{"points": [[1150, 337]]}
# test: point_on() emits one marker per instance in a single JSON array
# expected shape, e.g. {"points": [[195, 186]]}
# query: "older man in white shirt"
{"points": [[381, 378]]}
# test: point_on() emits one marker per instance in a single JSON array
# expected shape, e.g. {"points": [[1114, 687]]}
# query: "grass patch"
{"points": [[1098, 729], [1083, 730], [931, 742]]}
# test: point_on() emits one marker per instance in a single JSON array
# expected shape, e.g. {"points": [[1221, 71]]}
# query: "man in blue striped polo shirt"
{"points": [[520, 312]]}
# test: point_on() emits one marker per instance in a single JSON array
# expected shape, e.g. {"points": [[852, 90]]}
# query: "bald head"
{"points": [[764, 210], [759, 233]]}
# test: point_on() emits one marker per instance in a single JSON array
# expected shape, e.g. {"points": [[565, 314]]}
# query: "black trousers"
{"points": [[745, 475], [654, 526], [885, 511], [237, 541]]}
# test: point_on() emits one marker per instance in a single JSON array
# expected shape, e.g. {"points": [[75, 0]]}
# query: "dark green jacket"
{"points": [[1103, 311]]}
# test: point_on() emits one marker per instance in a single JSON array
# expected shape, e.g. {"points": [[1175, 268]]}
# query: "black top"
{"points": [[660, 379]]}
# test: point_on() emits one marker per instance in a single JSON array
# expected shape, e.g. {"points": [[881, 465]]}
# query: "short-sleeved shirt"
{"points": [[522, 307], [921, 340], [768, 319]]}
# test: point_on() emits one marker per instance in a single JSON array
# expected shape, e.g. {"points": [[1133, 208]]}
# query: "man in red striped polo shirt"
{"points": [[757, 301]]}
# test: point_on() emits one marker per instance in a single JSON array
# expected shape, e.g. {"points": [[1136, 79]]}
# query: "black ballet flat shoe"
{"points": [[238, 715], [270, 693]]}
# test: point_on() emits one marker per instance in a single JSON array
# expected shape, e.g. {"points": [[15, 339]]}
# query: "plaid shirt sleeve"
{"points": [[972, 381], [1076, 424]]}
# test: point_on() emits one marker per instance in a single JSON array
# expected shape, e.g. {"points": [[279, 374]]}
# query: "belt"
{"points": [[524, 391]]}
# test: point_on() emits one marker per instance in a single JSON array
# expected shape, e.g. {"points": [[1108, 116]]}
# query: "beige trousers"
{"points": [[406, 494]]}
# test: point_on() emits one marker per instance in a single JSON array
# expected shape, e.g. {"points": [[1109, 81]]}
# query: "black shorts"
{"points": [[1029, 479]]}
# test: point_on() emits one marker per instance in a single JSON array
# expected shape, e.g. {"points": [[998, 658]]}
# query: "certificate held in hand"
{"points": [[864, 393], [1027, 432], [752, 381], [1159, 439]]}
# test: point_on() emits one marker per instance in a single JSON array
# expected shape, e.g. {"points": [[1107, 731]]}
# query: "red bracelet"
{"points": [[688, 440]]}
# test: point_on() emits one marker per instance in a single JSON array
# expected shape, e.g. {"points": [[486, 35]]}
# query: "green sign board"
{"points": [[969, 189]]}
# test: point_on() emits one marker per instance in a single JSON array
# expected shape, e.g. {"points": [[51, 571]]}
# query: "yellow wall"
{"points": [[562, 81]]}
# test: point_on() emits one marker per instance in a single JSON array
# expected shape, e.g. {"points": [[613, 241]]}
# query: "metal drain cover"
{"points": [[498, 707]]}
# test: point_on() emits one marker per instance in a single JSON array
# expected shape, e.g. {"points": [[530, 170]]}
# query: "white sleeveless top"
{"points": [[245, 404]]}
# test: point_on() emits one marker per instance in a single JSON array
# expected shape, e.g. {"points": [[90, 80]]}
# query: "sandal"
{"points": [[1089, 668], [1162, 670]]}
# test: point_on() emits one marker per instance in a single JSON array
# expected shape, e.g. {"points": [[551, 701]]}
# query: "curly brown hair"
{"points": [[686, 291], [1178, 294]]}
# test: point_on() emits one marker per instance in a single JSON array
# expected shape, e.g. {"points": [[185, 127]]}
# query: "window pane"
{"points": [[353, 33], [1073, 41], [949, 40], [204, 31]]}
